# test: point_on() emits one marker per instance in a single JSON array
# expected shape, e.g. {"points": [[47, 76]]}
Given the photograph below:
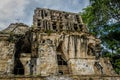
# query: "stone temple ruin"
{"points": [[57, 44]]}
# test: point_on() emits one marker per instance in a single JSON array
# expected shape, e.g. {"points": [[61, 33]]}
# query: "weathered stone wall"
{"points": [[79, 50], [82, 66], [73, 47], [47, 59], [107, 66], [58, 44], [16, 28], [6, 57], [61, 77], [46, 19], [8, 39]]}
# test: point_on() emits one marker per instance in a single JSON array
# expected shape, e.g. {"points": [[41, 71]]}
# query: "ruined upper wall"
{"points": [[54, 20], [16, 28], [12, 30]]}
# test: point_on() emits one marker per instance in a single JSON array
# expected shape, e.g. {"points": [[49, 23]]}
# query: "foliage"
{"points": [[49, 32], [115, 59], [103, 20], [111, 39], [11, 38], [100, 13], [105, 10], [117, 65]]}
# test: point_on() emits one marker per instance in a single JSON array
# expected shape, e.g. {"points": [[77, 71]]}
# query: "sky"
{"points": [[12, 11]]}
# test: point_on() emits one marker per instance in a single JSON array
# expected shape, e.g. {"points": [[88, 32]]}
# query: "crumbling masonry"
{"points": [[58, 43]]}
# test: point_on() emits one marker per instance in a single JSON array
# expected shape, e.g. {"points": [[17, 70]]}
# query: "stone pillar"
{"points": [[27, 67], [46, 62], [10, 64], [26, 62], [82, 47]]}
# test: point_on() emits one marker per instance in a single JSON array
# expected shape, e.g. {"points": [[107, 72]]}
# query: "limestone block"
{"points": [[82, 66], [25, 60], [107, 68], [46, 62], [59, 78], [6, 56]]}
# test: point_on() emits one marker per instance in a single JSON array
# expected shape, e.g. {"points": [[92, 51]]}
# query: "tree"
{"points": [[106, 9], [100, 13], [103, 20]]}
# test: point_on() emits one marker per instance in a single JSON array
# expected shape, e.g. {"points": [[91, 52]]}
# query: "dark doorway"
{"points": [[54, 26], [61, 61], [18, 68], [62, 65], [75, 27], [22, 45]]}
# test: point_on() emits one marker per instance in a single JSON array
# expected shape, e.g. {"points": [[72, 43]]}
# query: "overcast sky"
{"points": [[12, 11]]}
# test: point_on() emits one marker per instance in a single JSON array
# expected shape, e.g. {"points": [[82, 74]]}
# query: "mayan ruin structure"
{"points": [[57, 47]]}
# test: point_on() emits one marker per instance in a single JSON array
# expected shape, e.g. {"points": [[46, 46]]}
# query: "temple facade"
{"points": [[58, 43]]}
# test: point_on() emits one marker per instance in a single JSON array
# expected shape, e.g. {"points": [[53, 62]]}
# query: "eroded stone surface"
{"points": [[6, 57], [16, 28], [57, 44], [82, 66], [59, 78], [47, 60]]}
